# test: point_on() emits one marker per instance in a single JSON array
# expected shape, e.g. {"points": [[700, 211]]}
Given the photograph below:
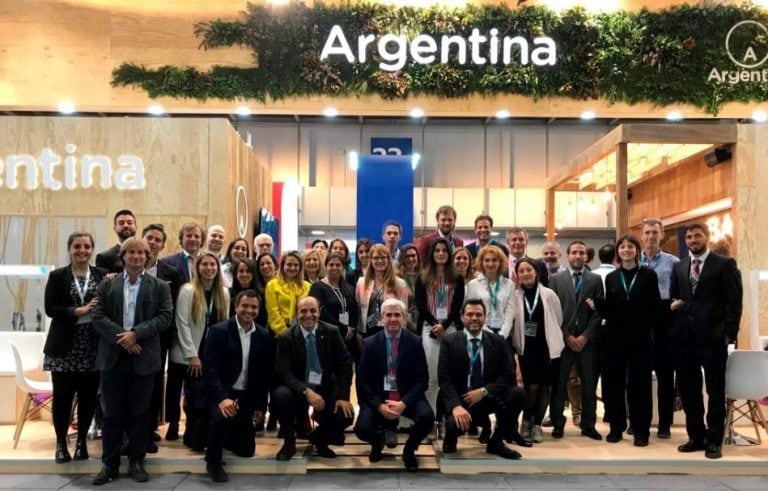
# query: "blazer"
{"points": [[505, 298], [170, 275], [179, 262], [553, 320], [61, 309], [453, 368], [425, 241], [330, 306], [363, 297], [281, 297], [578, 318], [110, 260], [411, 373], [454, 309], [189, 331], [291, 361], [631, 318], [154, 312], [474, 248], [714, 312], [223, 361]]}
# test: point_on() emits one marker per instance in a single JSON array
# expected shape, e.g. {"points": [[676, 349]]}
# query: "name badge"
{"points": [[85, 318], [494, 322], [441, 314], [315, 378], [390, 382], [344, 318], [531, 328]]}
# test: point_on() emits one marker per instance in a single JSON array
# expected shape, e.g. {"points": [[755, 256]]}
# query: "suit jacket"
{"points": [[170, 275], [223, 361], [453, 368], [412, 375], [715, 310], [61, 309], [474, 248], [154, 311], [110, 260], [578, 318], [179, 262], [425, 241], [291, 361]]}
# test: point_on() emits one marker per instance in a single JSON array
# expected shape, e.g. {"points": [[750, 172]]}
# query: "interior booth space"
{"points": [[572, 124]]}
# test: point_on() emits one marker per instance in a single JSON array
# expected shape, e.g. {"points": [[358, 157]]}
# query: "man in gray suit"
{"points": [[133, 309], [580, 325]]}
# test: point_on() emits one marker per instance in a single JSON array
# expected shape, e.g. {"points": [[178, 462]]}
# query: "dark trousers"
{"points": [[236, 434], [291, 407], [65, 386], [156, 404], [178, 377], [711, 356], [126, 398], [628, 373], [506, 412], [664, 366], [371, 424], [584, 364]]}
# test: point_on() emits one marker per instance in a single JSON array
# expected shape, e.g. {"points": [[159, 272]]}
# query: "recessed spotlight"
{"points": [[156, 110], [417, 112], [330, 112], [502, 114], [674, 116], [243, 111], [588, 115], [318, 232], [66, 107], [759, 116]]}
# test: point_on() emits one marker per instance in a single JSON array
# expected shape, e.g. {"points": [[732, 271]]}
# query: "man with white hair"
{"points": [[263, 244], [550, 254]]}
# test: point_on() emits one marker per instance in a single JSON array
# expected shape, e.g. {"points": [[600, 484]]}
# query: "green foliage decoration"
{"points": [[662, 57]]}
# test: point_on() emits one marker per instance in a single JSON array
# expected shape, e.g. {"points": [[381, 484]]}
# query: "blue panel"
{"points": [[384, 192], [391, 146]]}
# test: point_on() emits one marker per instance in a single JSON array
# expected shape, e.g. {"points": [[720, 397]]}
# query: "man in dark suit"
{"points": [[580, 325], [124, 225], [392, 378], [446, 222], [154, 235], [313, 369], [706, 295], [517, 240], [477, 377], [483, 230], [133, 309], [238, 362], [191, 238]]}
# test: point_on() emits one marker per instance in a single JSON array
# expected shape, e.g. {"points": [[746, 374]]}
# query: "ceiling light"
{"points": [[156, 110], [417, 112], [674, 116], [66, 107], [415, 159], [588, 115], [318, 232], [502, 114], [759, 116], [352, 160], [330, 112], [243, 111]]}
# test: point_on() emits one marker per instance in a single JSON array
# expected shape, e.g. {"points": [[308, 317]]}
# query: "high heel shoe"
{"points": [[62, 453], [81, 450]]}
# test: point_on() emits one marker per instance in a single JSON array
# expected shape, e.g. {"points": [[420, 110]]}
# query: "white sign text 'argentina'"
{"points": [[395, 50]]}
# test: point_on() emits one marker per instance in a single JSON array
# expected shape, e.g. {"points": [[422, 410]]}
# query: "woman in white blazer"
{"points": [[495, 290]]}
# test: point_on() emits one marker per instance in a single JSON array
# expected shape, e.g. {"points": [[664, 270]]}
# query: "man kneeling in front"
{"points": [[391, 380]]}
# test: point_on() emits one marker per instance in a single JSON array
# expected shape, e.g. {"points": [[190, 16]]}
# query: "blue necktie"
{"points": [[313, 361], [577, 284], [476, 378]]}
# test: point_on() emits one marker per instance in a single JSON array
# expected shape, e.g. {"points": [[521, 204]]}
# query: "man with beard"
{"points": [[550, 254], [446, 222], [483, 231], [124, 225]]}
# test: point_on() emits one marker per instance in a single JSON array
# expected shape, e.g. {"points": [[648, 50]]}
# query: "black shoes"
{"points": [[172, 433], [287, 451], [62, 453], [104, 476], [517, 438], [137, 472], [81, 450], [614, 436], [503, 451], [450, 445], [390, 439], [409, 459], [557, 432], [217, 472], [376, 455], [324, 451], [640, 441], [713, 451], [591, 433], [485, 435], [155, 436], [691, 446], [664, 433], [152, 447]]}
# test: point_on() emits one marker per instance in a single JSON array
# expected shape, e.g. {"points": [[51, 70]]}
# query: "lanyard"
{"points": [[624, 282], [441, 292], [493, 293], [473, 356], [392, 361], [528, 307], [340, 296], [209, 309], [82, 291]]}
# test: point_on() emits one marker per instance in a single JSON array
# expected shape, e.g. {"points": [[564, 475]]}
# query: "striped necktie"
{"points": [[695, 272]]}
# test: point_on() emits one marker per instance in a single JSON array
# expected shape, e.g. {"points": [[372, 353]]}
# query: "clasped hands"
{"points": [[128, 340]]}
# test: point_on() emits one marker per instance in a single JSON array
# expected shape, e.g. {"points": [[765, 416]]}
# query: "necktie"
{"points": [[577, 284], [313, 361], [394, 395], [695, 272], [476, 376]]}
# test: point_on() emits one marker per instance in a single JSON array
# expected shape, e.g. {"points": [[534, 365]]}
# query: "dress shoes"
{"points": [[614, 437], [557, 432], [105, 475], [713, 451], [152, 447], [376, 455], [137, 472], [390, 438], [287, 451], [503, 451], [62, 453], [450, 445], [547, 423], [217, 472], [630, 431], [640, 441], [518, 439], [81, 450], [591, 433], [409, 459], [155, 436], [172, 433], [472, 431], [664, 433], [324, 451], [691, 446], [485, 435]]}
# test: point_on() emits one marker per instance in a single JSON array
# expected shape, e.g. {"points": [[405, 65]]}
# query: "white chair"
{"points": [[746, 379], [39, 395]]}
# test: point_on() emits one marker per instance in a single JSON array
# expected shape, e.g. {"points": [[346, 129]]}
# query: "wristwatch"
{"points": [[485, 392]]}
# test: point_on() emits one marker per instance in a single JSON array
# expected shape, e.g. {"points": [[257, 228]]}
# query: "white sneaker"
{"points": [[525, 429], [537, 436]]}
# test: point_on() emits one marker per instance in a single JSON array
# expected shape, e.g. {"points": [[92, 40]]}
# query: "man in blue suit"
{"points": [[237, 363], [191, 238], [391, 380]]}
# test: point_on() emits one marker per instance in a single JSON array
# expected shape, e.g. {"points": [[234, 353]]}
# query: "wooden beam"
{"points": [[680, 133], [622, 198], [550, 213], [585, 159]]}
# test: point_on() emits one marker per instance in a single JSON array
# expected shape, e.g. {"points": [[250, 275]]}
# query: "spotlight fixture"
{"points": [[156, 110], [415, 159], [718, 156], [330, 112], [243, 111], [66, 107], [759, 116], [674, 116], [352, 160], [417, 113], [502, 114], [588, 115]]}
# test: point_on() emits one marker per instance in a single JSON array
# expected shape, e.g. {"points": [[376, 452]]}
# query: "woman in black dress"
{"points": [[70, 348]]}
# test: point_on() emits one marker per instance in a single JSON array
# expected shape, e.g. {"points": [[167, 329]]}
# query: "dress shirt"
{"points": [[245, 343], [701, 257], [130, 294], [479, 336], [188, 259], [662, 263]]}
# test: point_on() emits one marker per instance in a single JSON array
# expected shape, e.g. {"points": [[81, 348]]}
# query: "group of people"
{"points": [[433, 331]]}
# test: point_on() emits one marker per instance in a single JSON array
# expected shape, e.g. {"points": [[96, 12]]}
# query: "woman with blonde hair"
{"points": [[283, 292], [378, 284], [313, 265], [494, 288], [462, 263], [201, 303]]}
